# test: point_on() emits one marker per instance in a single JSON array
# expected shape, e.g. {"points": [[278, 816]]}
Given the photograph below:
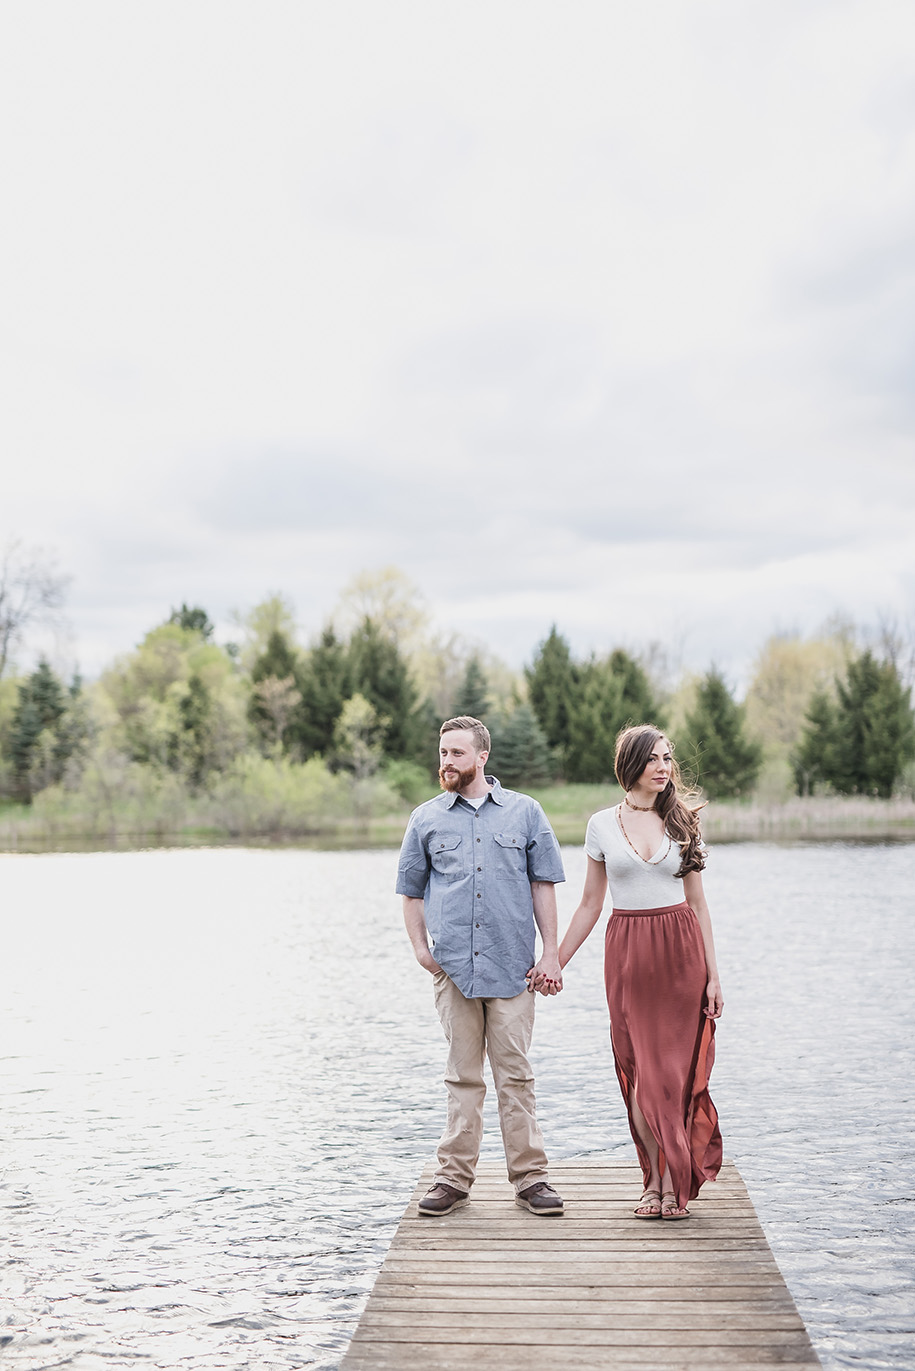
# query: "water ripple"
{"points": [[221, 1076]]}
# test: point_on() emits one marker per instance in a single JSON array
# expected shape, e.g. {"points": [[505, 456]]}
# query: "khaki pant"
{"points": [[501, 1028]]}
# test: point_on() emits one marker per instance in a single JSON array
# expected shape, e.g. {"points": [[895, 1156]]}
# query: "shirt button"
{"points": [[479, 896], [479, 840], [479, 868], [476, 925], [476, 954]]}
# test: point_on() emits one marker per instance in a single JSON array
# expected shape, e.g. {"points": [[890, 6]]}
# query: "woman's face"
{"points": [[657, 772]]}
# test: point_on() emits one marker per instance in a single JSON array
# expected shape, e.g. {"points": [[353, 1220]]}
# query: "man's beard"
{"points": [[456, 780]]}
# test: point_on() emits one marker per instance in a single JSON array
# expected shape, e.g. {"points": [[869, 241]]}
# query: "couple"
{"points": [[478, 868]]}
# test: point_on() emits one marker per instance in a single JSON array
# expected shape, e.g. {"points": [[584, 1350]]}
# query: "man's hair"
{"points": [[481, 738]]}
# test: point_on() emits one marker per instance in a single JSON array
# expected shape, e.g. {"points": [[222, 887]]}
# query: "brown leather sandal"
{"points": [[651, 1200], [670, 1209]]}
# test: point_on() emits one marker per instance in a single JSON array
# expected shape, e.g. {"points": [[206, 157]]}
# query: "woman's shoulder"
{"points": [[603, 815], [602, 820]]}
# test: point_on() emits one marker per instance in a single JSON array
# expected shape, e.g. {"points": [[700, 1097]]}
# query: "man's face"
{"points": [[459, 761]]}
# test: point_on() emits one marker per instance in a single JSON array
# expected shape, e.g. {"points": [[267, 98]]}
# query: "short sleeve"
{"points": [[414, 865], [593, 845], [544, 861]]}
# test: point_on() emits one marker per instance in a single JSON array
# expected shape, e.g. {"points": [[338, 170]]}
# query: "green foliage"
{"points": [[48, 726], [551, 688], [716, 749], [182, 730], [520, 752], [276, 795], [582, 706], [274, 696], [638, 703], [409, 780], [815, 759], [861, 743], [275, 614], [356, 738], [472, 696], [195, 620], [379, 673], [788, 672], [323, 684], [277, 659], [596, 715], [190, 745], [144, 692]]}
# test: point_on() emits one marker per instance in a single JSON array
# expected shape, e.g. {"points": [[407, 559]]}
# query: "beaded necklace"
{"points": [[649, 861]]}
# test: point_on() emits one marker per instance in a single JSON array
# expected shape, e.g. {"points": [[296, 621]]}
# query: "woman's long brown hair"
{"points": [[634, 747]]}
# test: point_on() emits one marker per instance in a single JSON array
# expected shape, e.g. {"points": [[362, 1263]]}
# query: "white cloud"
{"points": [[622, 293]]}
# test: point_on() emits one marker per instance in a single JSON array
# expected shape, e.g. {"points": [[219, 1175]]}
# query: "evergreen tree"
{"points": [[278, 658], [520, 752], [190, 745], [40, 707], [278, 663], [378, 672], [472, 694], [596, 714], [195, 619], [725, 761], [815, 760], [323, 683], [551, 687], [638, 704], [875, 732]]}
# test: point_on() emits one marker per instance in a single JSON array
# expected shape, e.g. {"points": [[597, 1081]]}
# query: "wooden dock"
{"points": [[494, 1286]]}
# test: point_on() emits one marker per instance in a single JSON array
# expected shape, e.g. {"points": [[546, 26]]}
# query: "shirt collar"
{"points": [[495, 793]]}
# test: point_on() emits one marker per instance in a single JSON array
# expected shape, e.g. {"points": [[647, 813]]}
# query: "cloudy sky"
{"points": [[591, 312]]}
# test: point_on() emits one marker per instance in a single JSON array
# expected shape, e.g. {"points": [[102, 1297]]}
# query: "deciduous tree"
{"points": [[30, 590]]}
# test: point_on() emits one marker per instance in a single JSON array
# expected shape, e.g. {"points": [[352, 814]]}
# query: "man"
{"points": [[477, 869]]}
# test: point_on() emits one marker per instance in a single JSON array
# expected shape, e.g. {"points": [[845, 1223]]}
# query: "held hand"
{"points": [[546, 976], [715, 1001]]}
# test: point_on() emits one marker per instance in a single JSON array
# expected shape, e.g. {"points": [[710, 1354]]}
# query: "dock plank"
{"points": [[594, 1288]]}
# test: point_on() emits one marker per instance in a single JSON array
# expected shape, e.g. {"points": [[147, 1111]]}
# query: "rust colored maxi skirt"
{"points": [[663, 1044]]}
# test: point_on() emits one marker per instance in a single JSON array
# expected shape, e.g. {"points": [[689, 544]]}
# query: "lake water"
{"points": [[221, 1076]]}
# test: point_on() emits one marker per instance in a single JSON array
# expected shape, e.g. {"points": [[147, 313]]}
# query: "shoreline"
{"points": [[828, 819]]}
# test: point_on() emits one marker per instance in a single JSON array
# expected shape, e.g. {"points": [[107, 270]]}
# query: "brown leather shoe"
{"points": [[441, 1199], [540, 1198]]}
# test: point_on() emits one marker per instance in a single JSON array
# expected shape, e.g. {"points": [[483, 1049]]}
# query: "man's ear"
{"points": [[484, 757]]}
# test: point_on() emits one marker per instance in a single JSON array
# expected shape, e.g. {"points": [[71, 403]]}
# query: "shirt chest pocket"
{"points": [[447, 853], [510, 855]]}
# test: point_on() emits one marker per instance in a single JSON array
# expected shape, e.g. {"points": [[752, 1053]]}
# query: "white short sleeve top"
{"points": [[634, 883]]}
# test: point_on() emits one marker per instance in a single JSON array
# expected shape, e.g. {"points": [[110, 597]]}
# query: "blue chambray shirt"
{"points": [[473, 869]]}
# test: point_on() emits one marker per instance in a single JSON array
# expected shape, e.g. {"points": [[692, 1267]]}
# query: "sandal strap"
{"points": [[669, 1201]]}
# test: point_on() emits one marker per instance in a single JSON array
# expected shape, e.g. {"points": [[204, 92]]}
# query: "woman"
{"points": [[659, 969]]}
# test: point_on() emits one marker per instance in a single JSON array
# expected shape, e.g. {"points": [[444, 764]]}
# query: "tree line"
{"points": [[365, 701]]}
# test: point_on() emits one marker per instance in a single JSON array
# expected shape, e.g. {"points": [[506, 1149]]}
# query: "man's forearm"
{"points": [[543, 894]]}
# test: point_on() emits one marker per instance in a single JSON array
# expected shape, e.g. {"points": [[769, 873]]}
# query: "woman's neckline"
{"points": [[654, 859]]}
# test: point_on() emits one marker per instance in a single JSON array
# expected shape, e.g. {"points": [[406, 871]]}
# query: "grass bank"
{"points": [[833, 817], [277, 804]]}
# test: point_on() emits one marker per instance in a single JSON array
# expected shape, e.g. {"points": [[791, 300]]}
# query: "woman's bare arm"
{"points": [[695, 898], [587, 913]]}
